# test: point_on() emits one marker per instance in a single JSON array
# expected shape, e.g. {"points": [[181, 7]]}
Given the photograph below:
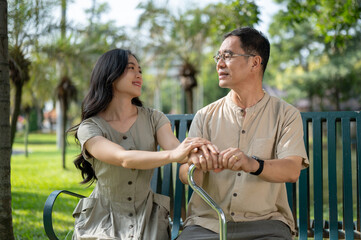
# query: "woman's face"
{"points": [[129, 84]]}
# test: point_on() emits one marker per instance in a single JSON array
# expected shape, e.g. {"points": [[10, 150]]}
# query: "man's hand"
{"points": [[206, 158], [236, 160]]}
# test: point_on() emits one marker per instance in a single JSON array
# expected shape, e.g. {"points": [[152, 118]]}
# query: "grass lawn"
{"points": [[35, 177]]}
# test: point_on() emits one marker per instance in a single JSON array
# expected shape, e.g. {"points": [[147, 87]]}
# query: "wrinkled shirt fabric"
{"points": [[271, 129]]}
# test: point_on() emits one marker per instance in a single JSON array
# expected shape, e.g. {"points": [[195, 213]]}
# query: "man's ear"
{"points": [[256, 61]]}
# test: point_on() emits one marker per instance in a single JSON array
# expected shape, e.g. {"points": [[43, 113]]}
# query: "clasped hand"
{"points": [[209, 158]]}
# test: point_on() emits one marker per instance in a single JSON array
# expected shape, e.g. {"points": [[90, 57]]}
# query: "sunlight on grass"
{"points": [[34, 177]]}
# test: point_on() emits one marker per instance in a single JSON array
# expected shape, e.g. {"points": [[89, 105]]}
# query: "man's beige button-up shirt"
{"points": [[271, 129]]}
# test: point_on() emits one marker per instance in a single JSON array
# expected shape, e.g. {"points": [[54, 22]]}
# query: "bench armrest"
{"points": [[48, 208], [204, 195]]}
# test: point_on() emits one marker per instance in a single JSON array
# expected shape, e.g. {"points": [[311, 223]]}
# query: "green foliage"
{"points": [[315, 52], [34, 178], [225, 17], [33, 120], [183, 40], [332, 19]]}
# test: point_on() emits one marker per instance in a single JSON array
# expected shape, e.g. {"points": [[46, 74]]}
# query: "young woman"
{"points": [[119, 138]]}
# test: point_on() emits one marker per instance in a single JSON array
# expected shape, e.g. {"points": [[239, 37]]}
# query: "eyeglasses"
{"points": [[226, 56]]}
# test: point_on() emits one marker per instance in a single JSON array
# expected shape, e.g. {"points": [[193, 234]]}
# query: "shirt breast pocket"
{"points": [[264, 148]]}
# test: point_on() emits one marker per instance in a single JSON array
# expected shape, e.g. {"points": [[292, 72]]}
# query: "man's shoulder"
{"points": [[212, 106], [281, 104]]}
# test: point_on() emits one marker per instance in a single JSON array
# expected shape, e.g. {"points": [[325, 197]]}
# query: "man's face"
{"points": [[235, 69]]}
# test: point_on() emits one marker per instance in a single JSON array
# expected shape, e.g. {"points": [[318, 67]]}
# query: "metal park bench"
{"points": [[326, 201]]}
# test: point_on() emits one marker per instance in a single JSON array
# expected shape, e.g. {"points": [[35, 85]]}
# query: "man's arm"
{"points": [[282, 170], [197, 175], [274, 170]]}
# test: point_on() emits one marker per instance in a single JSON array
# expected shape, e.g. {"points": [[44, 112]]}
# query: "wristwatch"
{"points": [[260, 169]]}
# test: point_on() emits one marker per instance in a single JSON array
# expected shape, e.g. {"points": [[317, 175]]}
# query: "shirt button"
{"points": [[234, 194], [130, 214], [130, 183], [129, 199], [131, 226], [238, 174], [125, 137], [232, 213], [243, 131]]}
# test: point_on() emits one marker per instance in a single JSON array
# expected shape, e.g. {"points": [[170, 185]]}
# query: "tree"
{"points": [[182, 40], [19, 74], [6, 227], [26, 28], [71, 56], [318, 38], [66, 92]]}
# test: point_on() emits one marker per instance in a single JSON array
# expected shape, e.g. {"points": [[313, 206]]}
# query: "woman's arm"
{"points": [[166, 138], [112, 153]]}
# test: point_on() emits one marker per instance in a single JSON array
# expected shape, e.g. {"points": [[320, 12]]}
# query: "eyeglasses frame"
{"points": [[232, 56]]}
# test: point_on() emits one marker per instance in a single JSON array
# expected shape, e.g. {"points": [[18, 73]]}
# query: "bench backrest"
{"points": [[325, 201], [333, 144]]}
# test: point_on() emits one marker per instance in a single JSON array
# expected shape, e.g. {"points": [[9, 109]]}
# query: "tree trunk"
{"points": [[63, 133], [337, 99], [59, 117], [26, 135], [63, 19], [310, 99], [6, 227], [16, 112], [189, 100], [63, 70]]}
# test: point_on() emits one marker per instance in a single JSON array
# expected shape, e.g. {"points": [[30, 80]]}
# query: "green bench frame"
{"points": [[321, 129]]}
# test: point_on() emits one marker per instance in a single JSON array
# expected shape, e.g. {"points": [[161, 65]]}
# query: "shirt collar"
{"points": [[251, 109]]}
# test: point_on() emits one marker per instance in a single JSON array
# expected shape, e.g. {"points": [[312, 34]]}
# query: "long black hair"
{"points": [[109, 67]]}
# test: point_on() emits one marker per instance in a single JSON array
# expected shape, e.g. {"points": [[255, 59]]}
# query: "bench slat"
{"points": [[178, 198], [332, 177], [304, 211], [318, 177], [347, 179], [358, 167]]}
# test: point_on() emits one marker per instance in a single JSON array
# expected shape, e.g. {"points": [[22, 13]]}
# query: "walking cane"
{"points": [[204, 195]]}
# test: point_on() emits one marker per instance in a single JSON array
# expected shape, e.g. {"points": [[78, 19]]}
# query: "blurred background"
{"points": [[315, 61], [315, 64]]}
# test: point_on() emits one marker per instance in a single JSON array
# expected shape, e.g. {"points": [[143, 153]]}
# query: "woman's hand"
{"points": [[180, 154], [206, 158]]}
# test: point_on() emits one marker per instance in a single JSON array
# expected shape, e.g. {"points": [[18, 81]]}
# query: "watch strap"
{"points": [[260, 169]]}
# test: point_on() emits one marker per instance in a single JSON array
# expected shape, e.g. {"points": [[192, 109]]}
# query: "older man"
{"points": [[260, 139]]}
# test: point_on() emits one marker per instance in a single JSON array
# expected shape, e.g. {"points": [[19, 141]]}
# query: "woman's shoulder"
{"points": [[154, 117], [150, 112], [94, 125], [94, 121]]}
